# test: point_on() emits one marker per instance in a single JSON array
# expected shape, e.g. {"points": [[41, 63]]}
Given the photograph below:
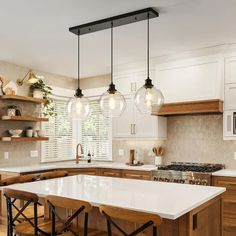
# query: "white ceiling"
{"points": [[35, 33]]}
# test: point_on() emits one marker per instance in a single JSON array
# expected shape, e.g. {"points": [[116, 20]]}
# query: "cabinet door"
{"points": [[230, 96], [122, 126], [230, 70], [190, 80], [148, 126], [125, 83]]}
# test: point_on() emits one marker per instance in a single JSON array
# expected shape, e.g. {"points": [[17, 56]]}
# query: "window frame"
{"points": [[92, 94]]}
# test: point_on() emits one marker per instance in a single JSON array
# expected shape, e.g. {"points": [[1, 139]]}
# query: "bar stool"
{"points": [[30, 226], [29, 211], [147, 220], [77, 207], [53, 174]]}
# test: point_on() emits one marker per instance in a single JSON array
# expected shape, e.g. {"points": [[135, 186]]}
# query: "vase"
{"points": [[37, 94], [11, 112]]}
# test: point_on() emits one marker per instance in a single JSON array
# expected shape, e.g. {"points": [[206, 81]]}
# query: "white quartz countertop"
{"points": [[169, 200], [225, 173], [82, 164]]}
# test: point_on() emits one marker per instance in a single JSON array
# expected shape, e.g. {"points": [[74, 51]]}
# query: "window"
{"points": [[95, 134], [59, 130]]}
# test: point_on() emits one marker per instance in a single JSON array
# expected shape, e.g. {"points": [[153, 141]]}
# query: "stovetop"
{"points": [[192, 167], [186, 173]]}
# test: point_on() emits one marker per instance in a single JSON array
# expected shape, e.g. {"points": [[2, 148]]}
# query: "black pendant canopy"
{"points": [[119, 20]]}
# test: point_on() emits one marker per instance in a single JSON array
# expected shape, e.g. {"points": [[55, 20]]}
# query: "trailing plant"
{"points": [[11, 107], [49, 110]]}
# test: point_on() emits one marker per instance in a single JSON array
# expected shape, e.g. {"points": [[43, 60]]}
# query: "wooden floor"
{"points": [[3, 230]]}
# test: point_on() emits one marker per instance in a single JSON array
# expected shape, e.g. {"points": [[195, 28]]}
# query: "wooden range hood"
{"points": [[188, 108]]}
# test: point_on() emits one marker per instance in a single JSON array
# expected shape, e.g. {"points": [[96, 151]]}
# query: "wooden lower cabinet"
{"points": [[134, 174], [229, 204]]}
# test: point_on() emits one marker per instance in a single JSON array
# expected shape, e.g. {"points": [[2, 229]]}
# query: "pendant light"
{"points": [[78, 107], [148, 95], [112, 102]]}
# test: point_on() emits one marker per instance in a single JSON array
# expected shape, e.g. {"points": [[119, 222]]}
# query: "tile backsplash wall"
{"points": [[143, 148], [191, 138], [198, 138]]}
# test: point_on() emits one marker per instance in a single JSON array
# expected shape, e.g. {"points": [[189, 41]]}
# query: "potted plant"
{"points": [[41, 90], [11, 110]]}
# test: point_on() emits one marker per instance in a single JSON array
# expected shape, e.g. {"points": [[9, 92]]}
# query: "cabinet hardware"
{"points": [[131, 128], [134, 128], [234, 123]]}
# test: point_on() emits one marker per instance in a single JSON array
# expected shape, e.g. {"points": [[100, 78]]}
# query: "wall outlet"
{"points": [[6, 155], [234, 155], [121, 152], [34, 153]]}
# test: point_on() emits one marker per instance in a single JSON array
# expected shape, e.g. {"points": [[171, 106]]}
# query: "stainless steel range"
{"points": [[186, 173]]}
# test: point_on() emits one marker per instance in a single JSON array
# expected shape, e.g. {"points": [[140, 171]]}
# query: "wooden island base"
{"points": [[205, 220]]}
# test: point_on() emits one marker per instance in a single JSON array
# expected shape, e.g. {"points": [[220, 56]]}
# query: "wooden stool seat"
{"points": [[78, 208], [146, 220], [29, 212], [25, 229]]}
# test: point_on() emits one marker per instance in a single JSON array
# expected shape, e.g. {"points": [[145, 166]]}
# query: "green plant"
{"points": [[11, 107], [49, 110]]}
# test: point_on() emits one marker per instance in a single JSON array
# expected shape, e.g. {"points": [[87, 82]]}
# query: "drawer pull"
{"points": [[110, 173]]}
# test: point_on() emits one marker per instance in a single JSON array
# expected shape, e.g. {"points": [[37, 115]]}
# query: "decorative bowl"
{"points": [[15, 132]]}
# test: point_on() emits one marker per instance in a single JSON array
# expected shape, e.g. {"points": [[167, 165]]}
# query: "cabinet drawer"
{"points": [[229, 212], [131, 174], [110, 172], [82, 171]]}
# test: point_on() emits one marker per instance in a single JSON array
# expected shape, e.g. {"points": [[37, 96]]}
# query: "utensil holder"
{"points": [[158, 160]]}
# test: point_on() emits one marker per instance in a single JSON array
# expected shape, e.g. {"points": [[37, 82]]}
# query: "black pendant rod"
{"points": [[78, 60], [118, 20], [148, 45], [112, 52]]}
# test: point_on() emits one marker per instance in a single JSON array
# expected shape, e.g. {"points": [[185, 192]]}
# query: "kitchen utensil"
{"points": [[15, 132], [154, 150], [131, 156]]}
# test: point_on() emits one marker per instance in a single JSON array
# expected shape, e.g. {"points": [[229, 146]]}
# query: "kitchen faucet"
{"points": [[77, 152]]}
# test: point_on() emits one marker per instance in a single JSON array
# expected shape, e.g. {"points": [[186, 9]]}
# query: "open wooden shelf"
{"points": [[22, 98], [213, 106], [23, 118], [23, 139]]}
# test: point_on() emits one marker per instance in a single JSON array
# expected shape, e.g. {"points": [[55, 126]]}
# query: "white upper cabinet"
{"points": [[134, 125], [190, 80], [122, 126], [230, 70], [129, 82]]}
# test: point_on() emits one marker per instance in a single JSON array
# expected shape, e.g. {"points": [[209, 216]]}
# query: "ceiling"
{"points": [[35, 33]]}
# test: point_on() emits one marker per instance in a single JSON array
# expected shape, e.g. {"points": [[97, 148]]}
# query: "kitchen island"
{"points": [[187, 210]]}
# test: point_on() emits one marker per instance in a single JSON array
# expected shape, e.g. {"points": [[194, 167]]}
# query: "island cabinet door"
{"points": [[229, 204], [133, 174]]}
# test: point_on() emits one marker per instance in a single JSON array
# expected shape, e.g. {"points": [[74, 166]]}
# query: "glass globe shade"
{"points": [[112, 104], [145, 98], [78, 108]]}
